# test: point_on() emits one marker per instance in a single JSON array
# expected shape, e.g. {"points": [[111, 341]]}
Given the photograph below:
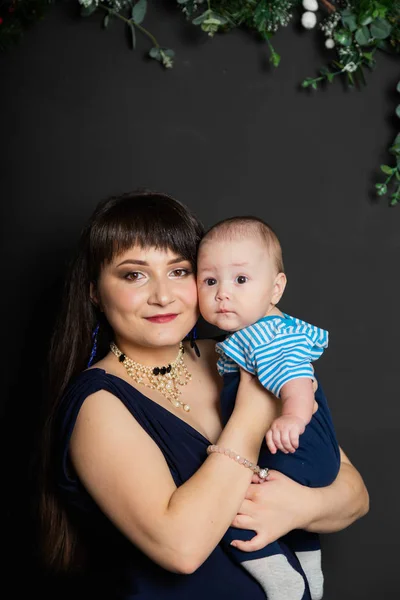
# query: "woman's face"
{"points": [[149, 297]]}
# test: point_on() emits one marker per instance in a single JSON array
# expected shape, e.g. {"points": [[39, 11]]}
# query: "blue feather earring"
{"points": [[192, 339], [94, 344]]}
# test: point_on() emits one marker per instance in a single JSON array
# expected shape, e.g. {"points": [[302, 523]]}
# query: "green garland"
{"points": [[355, 31]]}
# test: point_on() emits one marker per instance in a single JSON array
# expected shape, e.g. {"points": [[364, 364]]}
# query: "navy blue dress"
{"points": [[118, 569]]}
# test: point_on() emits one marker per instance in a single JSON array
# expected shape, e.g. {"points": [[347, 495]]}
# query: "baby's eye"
{"points": [[181, 272], [241, 279], [210, 281], [134, 276]]}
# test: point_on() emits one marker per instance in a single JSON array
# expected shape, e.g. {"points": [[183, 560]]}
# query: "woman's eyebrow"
{"points": [[143, 263]]}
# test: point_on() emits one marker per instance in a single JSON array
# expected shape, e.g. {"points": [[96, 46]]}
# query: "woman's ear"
{"points": [[279, 287], [94, 298]]}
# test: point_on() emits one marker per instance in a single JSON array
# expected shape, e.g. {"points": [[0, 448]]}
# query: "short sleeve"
{"points": [[289, 356], [225, 364]]}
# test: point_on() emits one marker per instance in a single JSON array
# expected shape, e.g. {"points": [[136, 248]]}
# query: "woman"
{"points": [[130, 494]]}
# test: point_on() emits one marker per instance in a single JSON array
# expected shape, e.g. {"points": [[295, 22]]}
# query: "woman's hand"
{"points": [[278, 505], [272, 509]]}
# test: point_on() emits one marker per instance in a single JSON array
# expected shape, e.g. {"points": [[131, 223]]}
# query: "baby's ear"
{"points": [[279, 287]]}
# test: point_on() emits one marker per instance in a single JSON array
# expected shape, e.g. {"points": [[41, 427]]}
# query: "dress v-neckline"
{"points": [[165, 410]]}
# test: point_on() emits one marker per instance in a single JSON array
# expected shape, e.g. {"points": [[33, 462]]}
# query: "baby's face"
{"points": [[237, 282]]}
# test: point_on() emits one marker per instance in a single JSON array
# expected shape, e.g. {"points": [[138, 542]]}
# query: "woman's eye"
{"points": [[210, 281], [180, 272], [134, 276], [241, 279]]}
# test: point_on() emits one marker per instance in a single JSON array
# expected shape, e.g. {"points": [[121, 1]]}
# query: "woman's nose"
{"points": [[161, 293]]}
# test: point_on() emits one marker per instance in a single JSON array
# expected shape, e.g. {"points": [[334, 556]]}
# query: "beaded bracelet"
{"points": [[262, 473]]}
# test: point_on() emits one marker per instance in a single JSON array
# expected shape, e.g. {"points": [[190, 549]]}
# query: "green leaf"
{"points": [[198, 20], [381, 189], [363, 36], [139, 11], [398, 164], [169, 52], [343, 37], [395, 149], [394, 200], [366, 20], [368, 55], [86, 11], [398, 175], [329, 77], [398, 87], [155, 53], [106, 21], [386, 169], [398, 110], [275, 59], [133, 35], [380, 29], [349, 20]]}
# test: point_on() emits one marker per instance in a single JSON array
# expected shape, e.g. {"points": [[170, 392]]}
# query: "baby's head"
{"points": [[240, 272]]}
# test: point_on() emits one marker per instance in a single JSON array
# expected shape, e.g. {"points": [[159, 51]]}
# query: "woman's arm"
{"points": [[127, 475], [280, 505], [341, 503]]}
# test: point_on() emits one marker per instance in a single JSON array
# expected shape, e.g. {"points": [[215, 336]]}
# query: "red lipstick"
{"points": [[162, 318]]}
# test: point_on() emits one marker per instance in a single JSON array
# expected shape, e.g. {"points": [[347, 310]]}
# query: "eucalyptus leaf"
{"points": [[380, 29], [155, 53], [366, 20], [86, 11], [106, 21], [133, 35], [349, 20], [139, 11], [387, 170], [398, 110], [198, 20], [394, 200], [169, 52], [363, 36]]}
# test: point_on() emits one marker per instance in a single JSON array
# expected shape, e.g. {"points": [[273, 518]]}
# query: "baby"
{"points": [[241, 280]]}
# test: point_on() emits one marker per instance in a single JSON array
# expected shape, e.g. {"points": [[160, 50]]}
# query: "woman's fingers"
{"points": [[256, 543], [242, 522]]}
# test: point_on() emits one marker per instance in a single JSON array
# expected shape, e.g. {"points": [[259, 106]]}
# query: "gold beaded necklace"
{"points": [[165, 379]]}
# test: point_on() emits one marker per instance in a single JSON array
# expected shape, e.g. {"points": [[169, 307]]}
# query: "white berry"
{"points": [[329, 43], [310, 5], [308, 20]]}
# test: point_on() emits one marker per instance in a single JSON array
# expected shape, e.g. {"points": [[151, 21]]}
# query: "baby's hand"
{"points": [[284, 434]]}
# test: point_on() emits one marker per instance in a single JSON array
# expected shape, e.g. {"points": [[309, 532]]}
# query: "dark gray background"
{"points": [[83, 117]]}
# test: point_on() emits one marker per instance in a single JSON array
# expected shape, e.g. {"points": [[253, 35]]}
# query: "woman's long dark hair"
{"points": [[144, 218]]}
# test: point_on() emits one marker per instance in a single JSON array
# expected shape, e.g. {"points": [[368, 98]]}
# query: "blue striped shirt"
{"points": [[276, 349]]}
